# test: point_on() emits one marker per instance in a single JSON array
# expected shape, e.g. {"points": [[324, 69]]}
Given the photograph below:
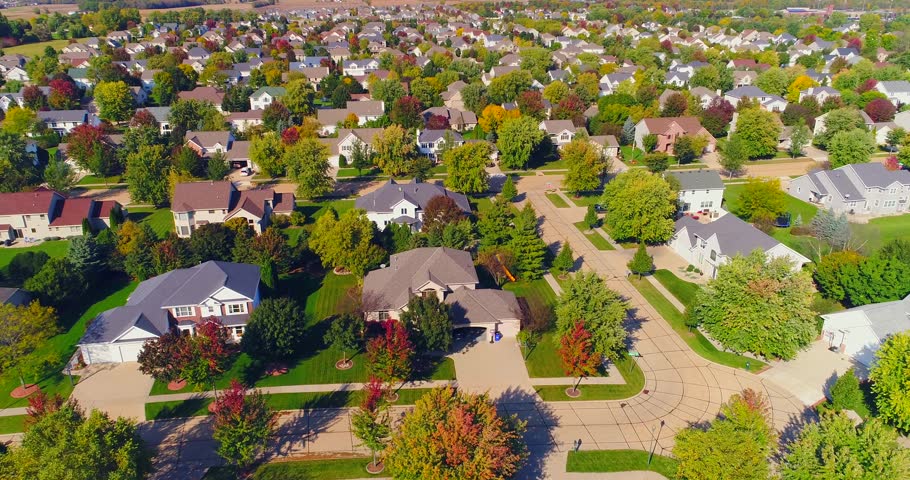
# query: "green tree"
{"points": [[761, 199], [243, 425], [267, 152], [276, 329], [86, 255], [759, 131], [586, 298], [505, 88], [20, 121], [758, 305], [526, 244], [17, 170], [517, 139], [24, 329], [429, 324], [371, 424], [466, 168], [889, 380], [832, 270], [361, 156], [835, 121], [115, 101], [656, 162], [346, 334], [308, 165], [24, 265], [394, 150], [164, 92], [852, 146], [109, 449], [586, 164], [59, 175], [799, 138], [641, 262], [591, 220], [509, 192], [57, 283], [835, 449], [387, 90], [774, 81], [846, 394], [640, 205], [146, 175], [346, 242], [299, 97], [216, 167], [475, 97], [427, 446], [733, 155], [565, 260]]}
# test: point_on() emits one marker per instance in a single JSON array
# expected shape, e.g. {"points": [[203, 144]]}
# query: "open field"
{"points": [[28, 11], [32, 49]]}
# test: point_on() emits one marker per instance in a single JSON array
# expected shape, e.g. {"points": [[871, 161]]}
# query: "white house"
{"points": [[265, 96], [699, 190], [430, 142], [561, 132], [864, 188], [897, 91], [360, 68], [403, 203], [859, 332]]}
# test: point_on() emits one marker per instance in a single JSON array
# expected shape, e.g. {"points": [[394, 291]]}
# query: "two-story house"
{"points": [[364, 110], [699, 190], [561, 132], [208, 143], [265, 96], [44, 213], [62, 122], [668, 129], [347, 140], [200, 203], [359, 68], [860, 188], [897, 91], [769, 102], [403, 203], [177, 300], [430, 142]]}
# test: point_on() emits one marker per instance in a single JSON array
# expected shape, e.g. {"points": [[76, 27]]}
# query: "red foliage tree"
{"points": [[867, 85], [243, 424], [406, 112], [439, 212], [880, 110], [391, 353], [290, 136], [143, 118], [571, 108], [437, 122], [34, 98], [577, 353], [161, 358], [674, 106], [530, 103], [373, 391], [206, 354], [809, 38], [717, 116], [40, 405], [64, 94], [856, 43], [83, 141], [666, 46], [891, 163]]}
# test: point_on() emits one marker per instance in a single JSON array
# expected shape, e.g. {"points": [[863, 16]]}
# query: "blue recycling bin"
{"points": [[497, 336]]}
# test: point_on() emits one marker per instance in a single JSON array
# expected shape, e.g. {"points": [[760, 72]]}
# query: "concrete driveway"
{"points": [[812, 372], [116, 388], [492, 367]]}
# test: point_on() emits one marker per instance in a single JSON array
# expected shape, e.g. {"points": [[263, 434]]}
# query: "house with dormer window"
{"points": [[561, 132], [201, 203], [262, 98], [403, 203]]}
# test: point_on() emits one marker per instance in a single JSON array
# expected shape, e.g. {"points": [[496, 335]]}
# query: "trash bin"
{"points": [[497, 337]]}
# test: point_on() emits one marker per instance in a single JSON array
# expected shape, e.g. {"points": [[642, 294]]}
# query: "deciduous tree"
{"points": [[640, 205], [59, 175], [429, 324], [466, 168], [267, 152], [346, 334], [577, 353], [23, 329], [308, 165], [391, 353], [852, 146], [146, 175], [641, 262], [243, 425], [759, 131], [115, 102], [889, 377], [346, 242], [205, 355], [517, 138], [160, 357], [761, 199], [394, 150], [406, 112], [586, 164], [371, 424], [587, 298], [275, 330]]}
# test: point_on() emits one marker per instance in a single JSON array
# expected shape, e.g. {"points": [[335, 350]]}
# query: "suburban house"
{"points": [[699, 190], [403, 203], [821, 94], [430, 142], [208, 143], [204, 94], [607, 144], [14, 296], [860, 188], [359, 68], [859, 332], [265, 96], [201, 203], [708, 245], [45, 213], [162, 116], [459, 120], [897, 91], [770, 102], [62, 122], [668, 129], [365, 111], [449, 275], [179, 299], [346, 140], [561, 132], [820, 125]]}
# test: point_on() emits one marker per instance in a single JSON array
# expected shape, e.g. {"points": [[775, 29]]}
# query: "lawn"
{"points": [[337, 469], [196, 407], [59, 348], [882, 230], [532, 288], [323, 297], [352, 172], [32, 49], [683, 291], [314, 210], [12, 424], [160, 219], [586, 198], [595, 238], [557, 200], [480, 204], [54, 249], [694, 338], [93, 180], [630, 153], [620, 461]]}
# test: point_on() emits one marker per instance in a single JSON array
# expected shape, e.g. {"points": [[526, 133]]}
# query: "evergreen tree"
{"points": [[641, 262], [565, 260], [509, 192], [628, 132], [591, 220], [527, 245]]}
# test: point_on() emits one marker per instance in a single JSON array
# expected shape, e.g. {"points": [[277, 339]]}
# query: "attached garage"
{"points": [[495, 310], [111, 352]]}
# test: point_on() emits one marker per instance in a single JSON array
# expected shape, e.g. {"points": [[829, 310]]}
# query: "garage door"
{"points": [[129, 352]]}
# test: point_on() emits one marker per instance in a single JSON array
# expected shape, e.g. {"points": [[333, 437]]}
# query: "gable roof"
{"points": [[36, 202], [202, 196], [734, 236], [887, 318], [698, 179], [418, 193], [392, 287], [660, 125], [484, 305]]}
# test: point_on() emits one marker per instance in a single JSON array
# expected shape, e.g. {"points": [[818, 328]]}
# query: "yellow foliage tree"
{"points": [[801, 83]]}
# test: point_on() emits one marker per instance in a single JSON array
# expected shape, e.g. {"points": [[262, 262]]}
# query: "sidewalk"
{"points": [[666, 293]]}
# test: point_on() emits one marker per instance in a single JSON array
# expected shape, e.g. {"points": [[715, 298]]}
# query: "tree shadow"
{"points": [[541, 421], [633, 324]]}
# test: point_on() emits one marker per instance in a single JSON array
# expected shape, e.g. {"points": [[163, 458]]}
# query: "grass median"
{"points": [[595, 238], [603, 461]]}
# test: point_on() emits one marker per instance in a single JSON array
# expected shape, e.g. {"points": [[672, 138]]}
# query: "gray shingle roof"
{"points": [[734, 236], [698, 179], [886, 318], [418, 193], [469, 307], [391, 287], [875, 174]]}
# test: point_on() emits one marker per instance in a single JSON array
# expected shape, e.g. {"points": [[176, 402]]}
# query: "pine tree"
{"points": [[565, 260], [641, 262], [628, 132], [527, 245], [591, 219], [509, 192], [269, 274]]}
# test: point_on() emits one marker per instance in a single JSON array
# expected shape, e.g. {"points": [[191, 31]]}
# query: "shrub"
{"points": [[298, 218], [279, 220]]}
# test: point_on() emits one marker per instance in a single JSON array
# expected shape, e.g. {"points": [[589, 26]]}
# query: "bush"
{"points": [[845, 393], [801, 230], [25, 265], [298, 218], [279, 220], [342, 161]]}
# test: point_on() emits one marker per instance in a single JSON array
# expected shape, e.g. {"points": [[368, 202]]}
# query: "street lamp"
{"points": [[654, 438]]}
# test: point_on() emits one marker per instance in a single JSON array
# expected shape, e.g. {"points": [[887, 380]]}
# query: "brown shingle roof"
{"points": [[19, 203], [202, 196], [660, 125], [71, 212]]}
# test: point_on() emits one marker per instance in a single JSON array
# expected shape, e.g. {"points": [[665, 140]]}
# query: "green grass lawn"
{"points": [[694, 338], [630, 371], [586, 198], [93, 180], [796, 207], [59, 348], [683, 291], [630, 153], [352, 172], [337, 469], [595, 238], [160, 219], [12, 424], [532, 288], [882, 230], [314, 210], [54, 249], [32, 49], [480, 204], [619, 461], [557, 200]]}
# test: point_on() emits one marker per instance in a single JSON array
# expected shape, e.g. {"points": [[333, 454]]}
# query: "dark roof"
{"points": [[18, 203], [202, 196], [698, 179], [209, 277], [13, 296], [418, 193], [874, 174], [471, 307], [734, 236]]}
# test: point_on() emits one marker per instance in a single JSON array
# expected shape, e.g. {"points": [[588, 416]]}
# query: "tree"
{"points": [[736, 446], [896, 138], [86, 255], [492, 118], [852, 146], [267, 152], [205, 355], [243, 425], [571, 108], [641, 262], [20, 121], [675, 106], [527, 246], [346, 242], [217, 167], [110, 449], [641, 205], [466, 168], [454, 434], [587, 298], [136, 243], [164, 92], [761, 199], [556, 91], [577, 354], [89, 146], [517, 139], [146, 175], [160, 357], [299, 97], [440, 211], [406, 112], [17, 170], [429, 324], [656, 162], [371, 423], [564, 261], [773, 81], [530, 103], [758, 305], [759, 131], [591, 220], [59, 175], [64, 95], [308, 165], [389, 91], [505, 88], [391, 353], [57, 283], [833, 270], [361, 156], [586, 164], [799, 138], [24, 265], [880, 110], [24, 329], [832, 230], [845, 393], [889, 380], [836, 449], [346, 334], [509, 191], [838, 120], [394, 150], [115, 102], [34, 98], [276, 329]]}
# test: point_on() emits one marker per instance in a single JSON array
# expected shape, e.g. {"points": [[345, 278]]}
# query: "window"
{"points": [[404, 211], [211, 309], [184, 231], [181, 216], [877, 202], [238, 331], [236, 308], [211, 211], [707, 204], [183, 311], [713, 255], [889, 203], [890, 190], [384, 316]]}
